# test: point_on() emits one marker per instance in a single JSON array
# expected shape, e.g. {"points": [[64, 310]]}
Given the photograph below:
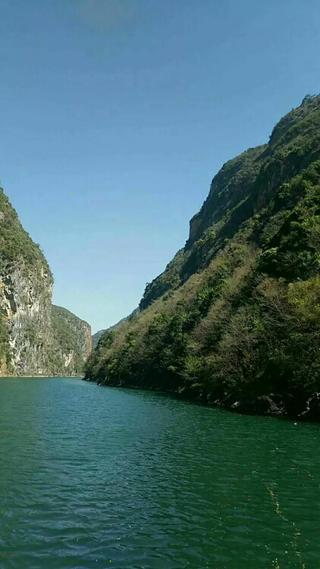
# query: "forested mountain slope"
{"points": [[234, 320], [32, 332]]}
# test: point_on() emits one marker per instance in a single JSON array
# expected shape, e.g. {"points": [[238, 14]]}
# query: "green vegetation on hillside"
{"points": [[15, 242], [72, 338], [16, 250], [234, 320], [34, 336]]}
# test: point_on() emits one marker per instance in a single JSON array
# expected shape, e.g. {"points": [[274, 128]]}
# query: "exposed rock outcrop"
{"points": [[30, 338]]}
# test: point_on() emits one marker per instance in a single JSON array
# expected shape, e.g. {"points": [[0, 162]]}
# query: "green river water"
{"points": [[94, 477]]}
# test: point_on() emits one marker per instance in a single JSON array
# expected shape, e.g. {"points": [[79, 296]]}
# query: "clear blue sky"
{"points": [[115, 115]]}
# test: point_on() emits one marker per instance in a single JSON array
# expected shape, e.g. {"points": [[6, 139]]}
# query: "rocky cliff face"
{"points": [[234, 320], [72, 341], [29, 341], [26, 310]]}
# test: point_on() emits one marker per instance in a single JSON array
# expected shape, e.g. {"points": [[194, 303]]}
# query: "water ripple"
{"points": [[93, 477]]}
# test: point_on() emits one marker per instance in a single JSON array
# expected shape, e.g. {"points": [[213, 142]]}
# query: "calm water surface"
{"points": [[98, 477]]}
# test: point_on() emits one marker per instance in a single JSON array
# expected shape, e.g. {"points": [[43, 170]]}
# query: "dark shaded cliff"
{"points": [[96, 337], [234, 320], [33, 338]]}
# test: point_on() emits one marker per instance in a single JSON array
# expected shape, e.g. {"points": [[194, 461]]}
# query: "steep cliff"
{"points": [[73, 343], [234, 319], [29, 342]]}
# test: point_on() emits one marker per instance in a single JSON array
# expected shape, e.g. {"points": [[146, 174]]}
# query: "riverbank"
{"points": [[288, 406], [39, 376]]}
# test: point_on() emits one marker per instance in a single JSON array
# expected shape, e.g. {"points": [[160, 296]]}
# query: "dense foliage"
{"points": [[70, 345], [234, 320], [15, 242]]}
